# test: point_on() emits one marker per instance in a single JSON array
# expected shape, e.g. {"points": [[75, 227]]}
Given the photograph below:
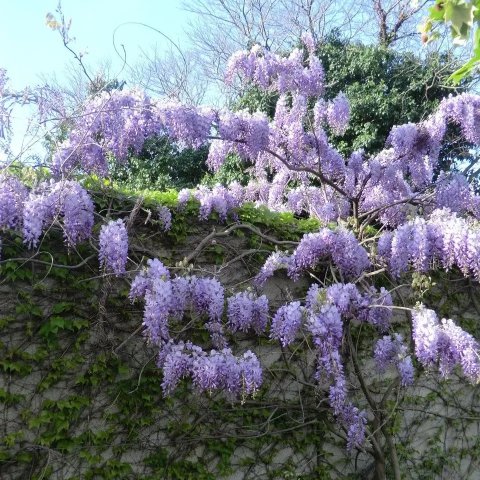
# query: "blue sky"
{"points": [[29, 48]]}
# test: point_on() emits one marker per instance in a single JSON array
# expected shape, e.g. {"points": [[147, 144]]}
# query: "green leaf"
{"points": [[436, 14], [460, 16], [62, 307], [466, 69]]}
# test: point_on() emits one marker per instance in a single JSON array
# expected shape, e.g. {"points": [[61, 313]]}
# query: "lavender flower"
{"points": [[286, 323], [458, 348], [218, 200], [158, 303], [176, 364], [222, 370], [116, 122], [377, 311], [345, 297], [355, 422], [114, 246], [390, 350], [444, 237], [12, 196], [165, 218], [76, 208], [274, 262], [282, 74], [245, 311], [184, 196], [340, 246], [425, 334], [143, 282], [338, 113], [38, 210], [446, 344], [208, 297], [326, 328], [454, 192], [182, 296], [66, 202], [251, 372]]}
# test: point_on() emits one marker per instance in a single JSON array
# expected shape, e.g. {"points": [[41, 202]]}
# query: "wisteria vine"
{"points": [[421, 219]]}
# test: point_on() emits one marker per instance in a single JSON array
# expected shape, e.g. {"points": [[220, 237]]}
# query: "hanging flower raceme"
{"points": [[444, 239], [65, 202], [283, 74], [391, 350], [246, 311], [12, 196], [217, 370], [218, 200], [167, 299], [325, 325], [286, 323], [113, 242], [338, 113], [165, 218], [445, 344], [456, 193], [116, 123], [339, 246]]}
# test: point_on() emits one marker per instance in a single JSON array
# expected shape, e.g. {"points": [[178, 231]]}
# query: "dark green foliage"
{"points": [[162, 165], [385, 88], [255, 99], [232, 170]]}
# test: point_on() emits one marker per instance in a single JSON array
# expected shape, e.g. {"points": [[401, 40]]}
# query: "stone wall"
{"points": [[80, 394]]}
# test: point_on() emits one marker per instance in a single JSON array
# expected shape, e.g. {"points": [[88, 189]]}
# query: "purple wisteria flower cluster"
{"points": [[12, 197], [293, 146], [340, 247], [371, 306], [445, 344], [165, 218], [323, 317], [215, 370], [218, 200], [286, 323], [291, 156], [427, 219], [116, 122], [169, 299], [66, 203], [282, 74], [247, 311], [113, 242], [443, 239], [325, 325], [313, 201], [391, 350], [338, 114]]}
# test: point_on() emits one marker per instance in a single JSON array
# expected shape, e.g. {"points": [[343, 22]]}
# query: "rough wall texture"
{"points": [[80, 393]]}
